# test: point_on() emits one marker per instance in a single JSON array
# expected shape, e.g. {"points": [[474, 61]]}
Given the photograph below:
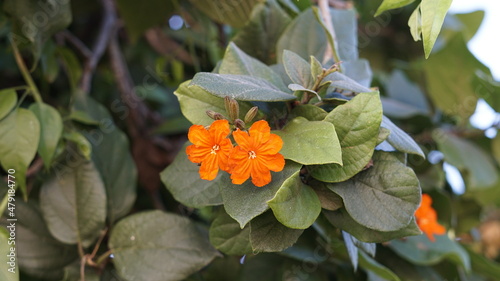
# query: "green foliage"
{"points": [[161, 237], [51, 127]]}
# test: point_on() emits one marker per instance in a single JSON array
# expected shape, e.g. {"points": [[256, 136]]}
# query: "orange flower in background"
{"points": [[256, 154], [210, 147], [427, 218]]}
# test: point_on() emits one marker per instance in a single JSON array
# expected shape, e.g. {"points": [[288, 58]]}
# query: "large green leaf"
{"points": [[466, 156], [269, 235], [384, 197], [487, 88], [357, 123], [422, 251], [237, 62], [298, 69], [240, 87], [310, 142], [9, 270], [234, 13], [295, 205], [19, 136], [392, 4], [73, 202], [139, 16], [51, 127], [433, 13], [245, 202], [195, 102], [157, 246], [471, 23], [259, 36], [227, 236], [401, 140], [305, 35], [344, 221], [116, 166], [8, 99], [341, 81], [182, 180], [449, 80], [38, 253]]}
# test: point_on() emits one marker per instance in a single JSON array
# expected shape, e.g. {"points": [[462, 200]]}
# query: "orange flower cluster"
{"points": [[427, 218], [255, 155]]}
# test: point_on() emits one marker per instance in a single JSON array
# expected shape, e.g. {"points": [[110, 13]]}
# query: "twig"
{"points": [[25, 72], [166, 46], [77, 43], [106, 30]]}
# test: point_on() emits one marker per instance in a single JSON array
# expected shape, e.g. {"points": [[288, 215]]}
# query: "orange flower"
{"points": [[210, 147], [256, 155], [427, 218]]}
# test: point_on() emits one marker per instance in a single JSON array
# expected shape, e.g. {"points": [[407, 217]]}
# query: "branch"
{"points": [[106, 30], [166, 46]]}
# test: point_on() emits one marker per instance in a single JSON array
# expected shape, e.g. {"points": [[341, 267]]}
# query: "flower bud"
{"points": [[215, 115], [252, 112], [227, 101], [234, 109], [239, 124]]}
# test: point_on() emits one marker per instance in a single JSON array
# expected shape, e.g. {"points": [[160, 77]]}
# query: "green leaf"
{"points": [[329, 200], [8, 99], [389, 192], [310, 142], [82, 144], [310, 112], [466, 156], [239, 87], [72, 64], [112, 158], [487, 88], [73, 202], [195, 102], [450, 88], [495, 148], [369, 264], [38, 253], [245, 202], [9, 270], [415, 24], [470, 23], [82, 117], [49, 62], [19, 136], [237, 62], [229, 12], [433, 13], [344, 221], [295, 205], [259, 36], [422, 251], [316, 67], [357, 123], [158, 246], [341, 81], [183, 181], [72, 272], [401, 140], [227, 236], [298, 69], [299, 88], [392, 4], [140, 16], [306, 37], [269, 235], [51, 127]]}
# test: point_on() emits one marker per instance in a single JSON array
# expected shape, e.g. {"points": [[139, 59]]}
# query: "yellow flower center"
{"points": [[252, 155], [214, 149]]}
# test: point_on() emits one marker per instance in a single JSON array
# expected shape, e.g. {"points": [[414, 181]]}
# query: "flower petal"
{"points": [[260, 174], [219, 130], [243, 139], [223, 154], [199, 136], [275, 162], [259, 132], [197, 154], [209, 168], [272, 146]]}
